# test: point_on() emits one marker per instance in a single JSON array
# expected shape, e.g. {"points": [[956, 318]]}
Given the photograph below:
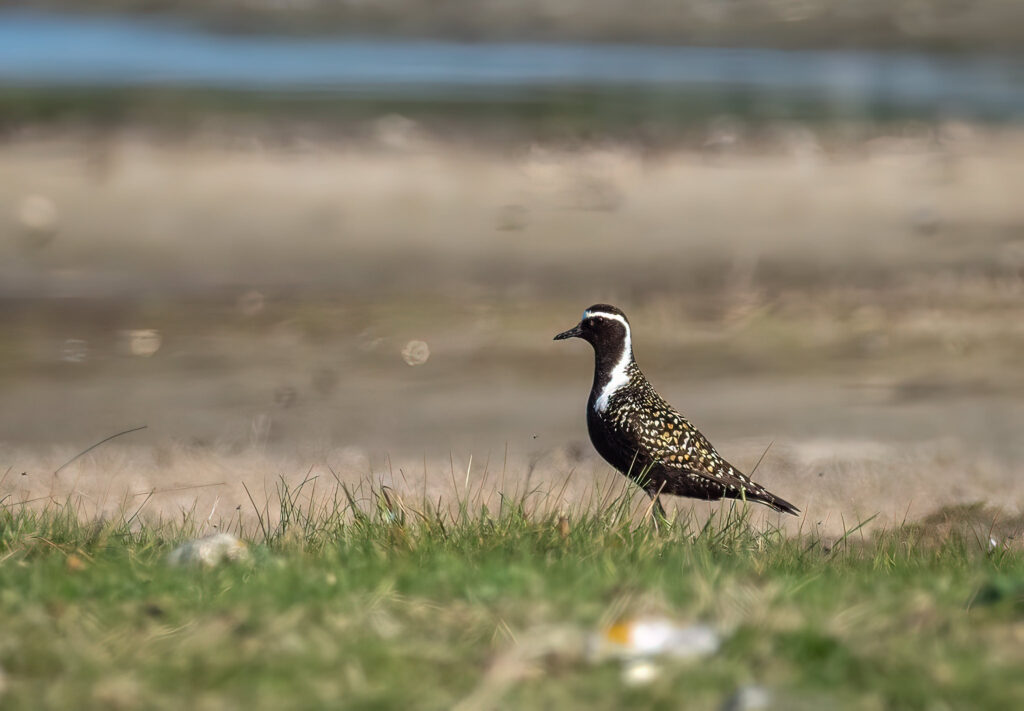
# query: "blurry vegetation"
{"points": [[932, 24], [646, 116], [374, 601]]}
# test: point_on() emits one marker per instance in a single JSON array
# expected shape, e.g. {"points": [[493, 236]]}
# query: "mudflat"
{"points": [[856, 303]]}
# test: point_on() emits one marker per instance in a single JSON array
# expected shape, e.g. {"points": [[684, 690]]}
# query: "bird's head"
{"points": [[604, 327]]}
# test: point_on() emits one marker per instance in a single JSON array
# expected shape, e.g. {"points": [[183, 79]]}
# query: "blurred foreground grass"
{"points": [[382, 604]]}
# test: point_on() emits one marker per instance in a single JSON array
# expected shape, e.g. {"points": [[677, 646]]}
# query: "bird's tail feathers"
{"points": [[773, 501]]}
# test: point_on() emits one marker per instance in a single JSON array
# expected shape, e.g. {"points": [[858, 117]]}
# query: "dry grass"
{"points": [[838, 485]]}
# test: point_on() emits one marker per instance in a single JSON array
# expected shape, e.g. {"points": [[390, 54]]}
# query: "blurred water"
{"points": [[39, 49]]}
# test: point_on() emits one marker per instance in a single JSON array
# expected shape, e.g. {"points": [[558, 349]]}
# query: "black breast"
{"points": [[612, 432]]}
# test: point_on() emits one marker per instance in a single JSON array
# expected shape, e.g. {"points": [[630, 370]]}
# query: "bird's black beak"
{"points": [[573, 332]]}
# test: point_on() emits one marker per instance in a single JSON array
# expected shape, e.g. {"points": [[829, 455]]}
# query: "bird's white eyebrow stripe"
{"points": [[605, 314]]}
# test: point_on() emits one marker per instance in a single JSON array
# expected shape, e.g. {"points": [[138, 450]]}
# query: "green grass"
{"points": [[391, 606]]}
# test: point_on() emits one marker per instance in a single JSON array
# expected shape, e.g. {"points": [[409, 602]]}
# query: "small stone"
{"points": [[142, 342], [210, 551], [416, 353]]}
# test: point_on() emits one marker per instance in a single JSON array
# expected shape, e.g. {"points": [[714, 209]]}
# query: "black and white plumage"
{"points": [[643, 436]]}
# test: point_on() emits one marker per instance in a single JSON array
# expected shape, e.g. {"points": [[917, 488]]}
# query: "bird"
{"points": [[642, 436]]}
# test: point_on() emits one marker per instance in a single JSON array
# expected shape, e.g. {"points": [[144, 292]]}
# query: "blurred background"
{"points": [[293, 236]]}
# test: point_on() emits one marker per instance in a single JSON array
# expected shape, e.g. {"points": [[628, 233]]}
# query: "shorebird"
{"points": [[644, 437]]}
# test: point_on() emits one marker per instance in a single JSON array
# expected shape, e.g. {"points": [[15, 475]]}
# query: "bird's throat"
{"points": [[611, 372]]}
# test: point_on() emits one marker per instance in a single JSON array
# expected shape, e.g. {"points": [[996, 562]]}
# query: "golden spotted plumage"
{"points": [[666, 439]]}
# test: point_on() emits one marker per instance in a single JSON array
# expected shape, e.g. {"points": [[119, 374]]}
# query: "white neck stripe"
{"points": [[618, 376]]}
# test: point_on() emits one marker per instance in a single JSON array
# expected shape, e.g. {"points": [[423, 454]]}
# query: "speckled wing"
{"points": [[680, 446]]}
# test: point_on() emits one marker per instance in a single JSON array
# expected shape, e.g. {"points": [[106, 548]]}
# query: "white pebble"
{"points": [[416, 353], [142, 342], [209, 551]]}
